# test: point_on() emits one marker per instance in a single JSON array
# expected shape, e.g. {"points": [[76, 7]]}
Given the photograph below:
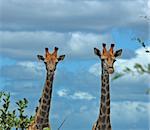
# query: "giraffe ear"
{"points": [[61, 57], [118, 53], [40, 57], [97, 52]]}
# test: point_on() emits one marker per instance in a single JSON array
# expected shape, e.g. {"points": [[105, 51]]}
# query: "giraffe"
{"points": [[107, 61], [41, 119]]}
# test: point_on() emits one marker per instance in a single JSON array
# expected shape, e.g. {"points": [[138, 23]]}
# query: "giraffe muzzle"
{"points": [[111, 70]]}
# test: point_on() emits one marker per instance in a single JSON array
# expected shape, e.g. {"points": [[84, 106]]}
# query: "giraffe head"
{"points": [[51, 59], [108, 57]]}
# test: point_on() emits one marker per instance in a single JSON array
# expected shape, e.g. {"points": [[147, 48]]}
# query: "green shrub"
{"points": [[9, 119]]}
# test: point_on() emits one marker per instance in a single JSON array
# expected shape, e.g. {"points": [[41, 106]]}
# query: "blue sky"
{"points": [[76, 27]]}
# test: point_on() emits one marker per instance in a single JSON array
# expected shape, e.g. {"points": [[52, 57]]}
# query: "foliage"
{"points": [[6, 117], [23, 121], [9, 119], [137, 68], [46, 128], [117, 75]]}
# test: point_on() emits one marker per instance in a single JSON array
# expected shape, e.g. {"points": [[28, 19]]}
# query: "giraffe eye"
{"points": [[114, 60]]}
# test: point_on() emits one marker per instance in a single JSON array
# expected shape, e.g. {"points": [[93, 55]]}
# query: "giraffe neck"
{"points": [[103, 122], [42, 114]]}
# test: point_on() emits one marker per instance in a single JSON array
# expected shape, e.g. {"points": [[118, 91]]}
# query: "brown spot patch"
{"points": [[44, 101], [44, 107], [108, 119], [46, 120], [48, 82], [100, 119], [108, 102], [46, 90], [43, 113], [103, 91], [38, 119], [107, 81], [46, 96], [103, 118], [107, 87], [41, 120], [104, 79], [103, 109], [102, 98], [108, 111], [108, 96], [103, 126]]}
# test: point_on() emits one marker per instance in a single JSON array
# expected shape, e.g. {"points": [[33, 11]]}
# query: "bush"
{"points": [[9, 119]]}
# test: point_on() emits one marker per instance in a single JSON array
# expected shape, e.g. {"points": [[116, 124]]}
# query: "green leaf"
{"points": [[46, 128], [139, 68], [117, 75], [25, 100], [127, 70]]}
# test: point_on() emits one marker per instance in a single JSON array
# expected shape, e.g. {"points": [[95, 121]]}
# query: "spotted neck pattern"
{"points": [[103, 122], [42, 112]]}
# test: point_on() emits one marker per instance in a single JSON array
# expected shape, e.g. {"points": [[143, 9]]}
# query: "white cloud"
{"points": [[19, 45], [82, 96], [67, 15], [27, 64], [83, 43], [34, 66], [125, 115], [132, 112], [36, 69], [95, 69], [148, 10], [62, 92]]}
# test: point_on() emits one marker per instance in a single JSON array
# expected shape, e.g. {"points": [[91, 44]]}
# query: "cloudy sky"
{"points": [[76, 27]]}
